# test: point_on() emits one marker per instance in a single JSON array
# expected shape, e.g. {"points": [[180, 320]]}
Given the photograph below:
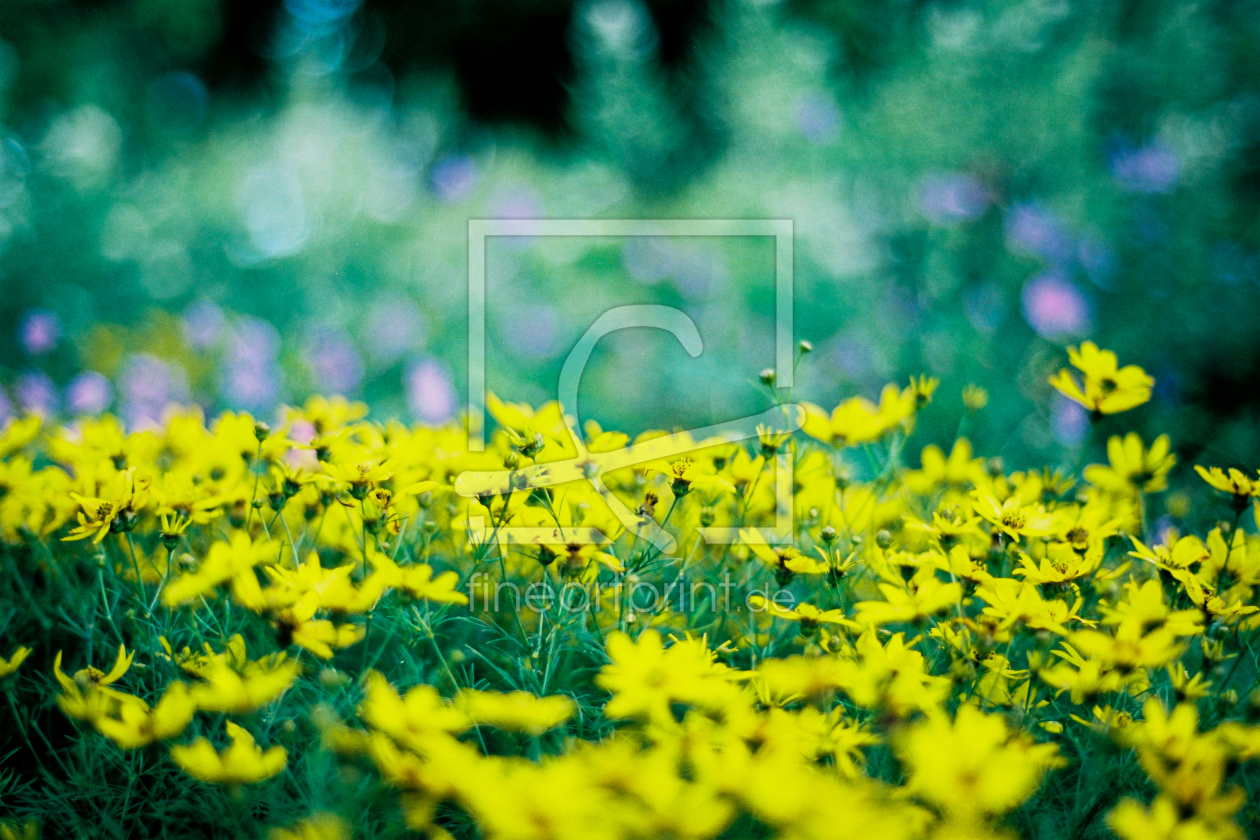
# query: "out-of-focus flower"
{"points": [[40, 332], [1107, 388], [243, 762], [1054, 307], [203, 324], [89, 393], [394, 326], [817, 117], [1069, 422], [430, 394], [37, 394], [974, 397], [251, 377], [950, 197], [453, 177], [150, 384], [10, 665], [1032, 228], [334, 361], [1149, 169], [315, 827]]}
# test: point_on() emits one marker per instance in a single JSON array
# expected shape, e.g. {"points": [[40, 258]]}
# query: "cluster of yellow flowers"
{"points": [[915, 657]]}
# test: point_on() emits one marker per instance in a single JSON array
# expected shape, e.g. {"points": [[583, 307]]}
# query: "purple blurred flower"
{"points": [[334, 361], [89, 393], [854, 353], [149, 385], [1054, 307], [394, 326], [1068, 421], [533, 331], [37, 393], [6, 408], [453, 177], [250, 377], [817, 117], [1033, 229], [517, 201], [203, 324], [646, 258], [430, 394], [40, 332], [948, 197], [1150, 169]]}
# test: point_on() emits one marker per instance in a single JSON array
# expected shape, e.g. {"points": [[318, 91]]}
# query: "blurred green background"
{"points": [[244, 203]]}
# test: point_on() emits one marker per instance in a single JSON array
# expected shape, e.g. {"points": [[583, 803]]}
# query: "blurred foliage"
{"points": [[240, 203]]}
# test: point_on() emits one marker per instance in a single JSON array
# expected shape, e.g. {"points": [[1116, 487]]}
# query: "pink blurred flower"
{"points": [[89, 393], [1054, 307], [430, 394]]}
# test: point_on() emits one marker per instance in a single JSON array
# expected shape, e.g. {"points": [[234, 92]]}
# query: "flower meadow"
{"points": [[316, 629]]}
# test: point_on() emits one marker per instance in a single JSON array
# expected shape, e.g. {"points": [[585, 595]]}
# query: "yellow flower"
{"points": [[224, 561], [684, 476], [135, 725], [956, 471], [1132, 468], [973, 766], [116, 510], [785, 560], [1013, 517], [1012, 602], [645, 677], [88, 694], [1165, 821], [1129, 648], [361, 476], [18, 433], [1236, 483], [1178, 560], [857, 420], [1061, 564], [920, 599], [225, 689], [1107, 388], [10, 665], [242, 762], [974, 397], [28, 830], [319, 826], [1083, 678], [418, 581], [298, 626], [517, 711], [921, 389], [414, 720], [807, 614]]}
